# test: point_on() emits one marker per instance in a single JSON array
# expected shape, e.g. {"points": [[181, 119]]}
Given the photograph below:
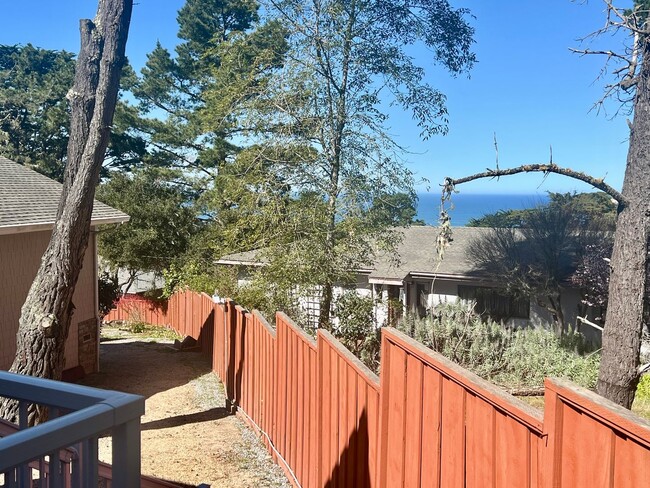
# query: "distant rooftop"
{"points": [[29, 201], [416, 256]]}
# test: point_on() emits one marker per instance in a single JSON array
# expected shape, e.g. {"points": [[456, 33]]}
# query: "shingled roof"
{"points": [[29, 201], [416, 256]]}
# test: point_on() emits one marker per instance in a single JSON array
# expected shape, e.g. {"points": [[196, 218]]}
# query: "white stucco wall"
{"points": [[446, 291]]}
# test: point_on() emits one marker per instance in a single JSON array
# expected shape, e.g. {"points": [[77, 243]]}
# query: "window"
{"points": [[422, 291], [495, 304]]}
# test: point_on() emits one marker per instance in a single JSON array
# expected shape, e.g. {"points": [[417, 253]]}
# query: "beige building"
{"points": [[28, 206], [416, 281]]}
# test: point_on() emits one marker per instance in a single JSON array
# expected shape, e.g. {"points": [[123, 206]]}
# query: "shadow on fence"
{"points": [[353, 466], [425, 421]]}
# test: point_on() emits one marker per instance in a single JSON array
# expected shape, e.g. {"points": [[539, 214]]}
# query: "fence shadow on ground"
{"points": [[189, 418], [145, 368]]}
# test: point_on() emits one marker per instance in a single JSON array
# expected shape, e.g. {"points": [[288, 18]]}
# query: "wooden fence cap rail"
{"points": [[350, 358], [600, 408], [507, 403], [264, 322], [281, 316]]}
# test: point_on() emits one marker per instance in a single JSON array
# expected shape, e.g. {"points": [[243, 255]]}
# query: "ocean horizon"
{"points": [[467, 206]]}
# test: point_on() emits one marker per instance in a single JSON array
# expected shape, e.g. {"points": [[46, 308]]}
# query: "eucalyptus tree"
{"points": [[326, 104]]}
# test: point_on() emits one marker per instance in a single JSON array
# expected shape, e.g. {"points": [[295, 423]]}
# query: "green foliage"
{"points": [[34, 112], [203, 24], [108, 291], [137, 327], [160, 226], [587, 207], [511, 358], [356, 327], [595, 208], [643, 389], [170, 92], [500, 219], [188, 273], [395, 210], [641, 404], [310, 99], [225, 187]]}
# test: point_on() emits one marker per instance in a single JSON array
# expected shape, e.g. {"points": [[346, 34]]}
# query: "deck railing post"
{"points": [[126, 454], [56, 476], [89, 465], [23, 472]]}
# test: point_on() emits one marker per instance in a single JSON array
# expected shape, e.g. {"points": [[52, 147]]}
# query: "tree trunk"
{"points": [[326, 308], [628, 286], [327, 295], [558, 314], [47, 312]]}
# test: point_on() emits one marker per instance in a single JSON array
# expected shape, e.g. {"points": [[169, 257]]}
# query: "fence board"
{"points": [[480, 443], [413, 428], [348, 417], [331, 422], [431, 420], [581, 421]]}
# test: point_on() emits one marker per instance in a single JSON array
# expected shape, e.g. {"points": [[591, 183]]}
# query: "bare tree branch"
{"points": [[547, 168]]}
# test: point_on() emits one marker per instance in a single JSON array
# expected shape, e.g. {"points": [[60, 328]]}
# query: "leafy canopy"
{"points": [[161, 223], [312, 97], [35, 116], [34, 112]]}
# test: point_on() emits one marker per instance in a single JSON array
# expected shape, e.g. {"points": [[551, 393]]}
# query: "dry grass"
{"points": [[138, 330]]}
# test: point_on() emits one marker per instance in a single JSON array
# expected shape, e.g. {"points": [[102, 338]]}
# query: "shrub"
{"points": [[356, 328], [137, 327], [643, 390], [519, 358], [109, 292]]}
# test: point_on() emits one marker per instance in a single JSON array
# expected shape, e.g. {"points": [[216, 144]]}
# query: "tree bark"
{"points": [[627, 308], [47, 311], [628, 305]]}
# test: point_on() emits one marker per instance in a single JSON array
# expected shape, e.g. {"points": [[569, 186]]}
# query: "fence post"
{"points": [[126, 454], [320, 435], [551, 462]]}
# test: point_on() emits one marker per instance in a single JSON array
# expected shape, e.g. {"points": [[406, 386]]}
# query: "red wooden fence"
{"points": [[447, 427], [330, 422], [187, 312], [134, 308]]}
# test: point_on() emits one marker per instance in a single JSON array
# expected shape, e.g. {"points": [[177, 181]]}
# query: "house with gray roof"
{"points": [[414, 279], [28, 207]]}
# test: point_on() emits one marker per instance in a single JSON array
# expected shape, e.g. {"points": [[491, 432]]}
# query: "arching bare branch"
{"points": [[547, 168]]}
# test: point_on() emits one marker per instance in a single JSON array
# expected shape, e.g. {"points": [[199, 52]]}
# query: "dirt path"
{"points": [[187, 435]]}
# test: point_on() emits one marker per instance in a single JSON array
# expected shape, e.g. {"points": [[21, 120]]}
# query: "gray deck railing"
{"points": [[62, 452]]}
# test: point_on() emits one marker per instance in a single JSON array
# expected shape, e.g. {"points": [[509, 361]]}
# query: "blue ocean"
{"points": [[468, 206]]}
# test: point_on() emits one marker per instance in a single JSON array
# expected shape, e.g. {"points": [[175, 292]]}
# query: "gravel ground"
{"points": [[187, 435]]}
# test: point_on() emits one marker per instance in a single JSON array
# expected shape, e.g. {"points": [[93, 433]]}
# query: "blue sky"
{"points": [[527, 87]]}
